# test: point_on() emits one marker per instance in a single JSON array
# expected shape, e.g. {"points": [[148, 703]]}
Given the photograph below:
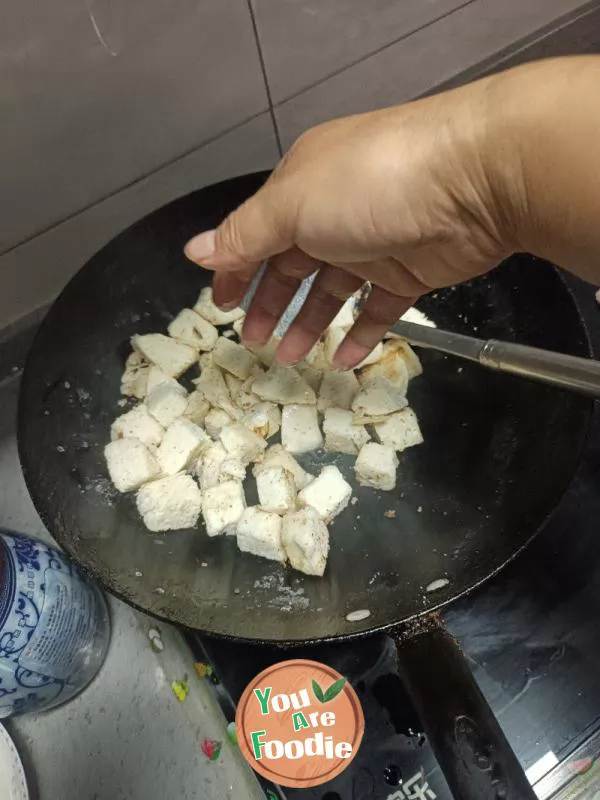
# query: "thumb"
{"points": [[257, 230]]}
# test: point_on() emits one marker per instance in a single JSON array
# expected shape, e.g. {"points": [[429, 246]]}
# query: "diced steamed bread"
{"points": [[171, 356], [208, 465], [341, 434], [234, 358], [276, 489], [305, 540], [379, 397], [222, 507], [283, 385], [242, 443], [134, 381], [338, 390], [209, 311], [328, 494], [376, 466], [171, 503], [259, 533], [156, 378], [190, 328], [264, 419], [276, 455], [181, 445], [130, 464], [400, 430], [197, 408], [242, 398], [166, 403], [138, 424], [215, 421], [300, 432]]}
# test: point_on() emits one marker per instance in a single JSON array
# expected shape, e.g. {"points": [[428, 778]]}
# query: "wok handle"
{"points": [[472, 751], [567, 372]]}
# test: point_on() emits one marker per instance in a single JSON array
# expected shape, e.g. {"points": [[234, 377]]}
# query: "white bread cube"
{"points": [[238, 326], [373, 357], [259, 533], [276, 489], [197, 408], [283, 385], [400, 430], [209, 311], [379, 397], [245, 398], [300, 432], [376, 466], [166, 403], [312, 375], [341, 435], [134, 381], [264, 419], [209, 463], [171, 503], [411, 359], [130, 464], [242, 443], [367, 419], [246, 401], [233, 384], [391, 367], [338, 390], [212, 385], [418, 317], [204, 360], [305, 539], [234, 358], [222, 507], [138, 424], [181, 444], [277, 456], [156, 378], [190, 328], [215, 421], [328, 494], [232, 469], [171, 356]]}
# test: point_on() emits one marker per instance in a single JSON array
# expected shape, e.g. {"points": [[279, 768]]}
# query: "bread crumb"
{"points": [[390, 514]]}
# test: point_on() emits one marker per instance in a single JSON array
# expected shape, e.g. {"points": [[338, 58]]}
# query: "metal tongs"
{"points": [[567, 372]]}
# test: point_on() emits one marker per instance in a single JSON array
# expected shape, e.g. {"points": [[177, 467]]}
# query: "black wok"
{"points": [[499, 453]]}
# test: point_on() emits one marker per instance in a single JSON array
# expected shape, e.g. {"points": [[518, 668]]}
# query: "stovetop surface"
{"points": [[531, 635]]}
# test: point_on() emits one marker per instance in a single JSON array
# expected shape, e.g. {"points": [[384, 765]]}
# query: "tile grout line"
{"points": [[561, 21], [130, 184], [376, 52], [263, 67]]}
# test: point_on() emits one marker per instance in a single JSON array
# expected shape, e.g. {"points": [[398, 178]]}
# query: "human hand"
{"points": [[399, 197]]}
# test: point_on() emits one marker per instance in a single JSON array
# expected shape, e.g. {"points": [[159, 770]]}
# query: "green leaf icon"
{"points": [[334, 690], [318, 692]]}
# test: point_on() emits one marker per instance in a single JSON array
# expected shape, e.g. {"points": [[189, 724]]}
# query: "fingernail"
{"points": [[201, 248]]}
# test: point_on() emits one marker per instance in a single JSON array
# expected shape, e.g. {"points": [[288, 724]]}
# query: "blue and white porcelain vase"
{"points": [[54, 626]]}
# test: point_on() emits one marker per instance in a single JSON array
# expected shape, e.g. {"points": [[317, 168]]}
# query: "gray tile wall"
{"points": [[111, 109]]}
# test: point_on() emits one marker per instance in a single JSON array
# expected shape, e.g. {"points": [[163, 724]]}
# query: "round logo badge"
{"points": [[299, 723]]}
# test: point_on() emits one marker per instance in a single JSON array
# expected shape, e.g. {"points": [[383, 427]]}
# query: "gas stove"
{"points": [[531, 636]]}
